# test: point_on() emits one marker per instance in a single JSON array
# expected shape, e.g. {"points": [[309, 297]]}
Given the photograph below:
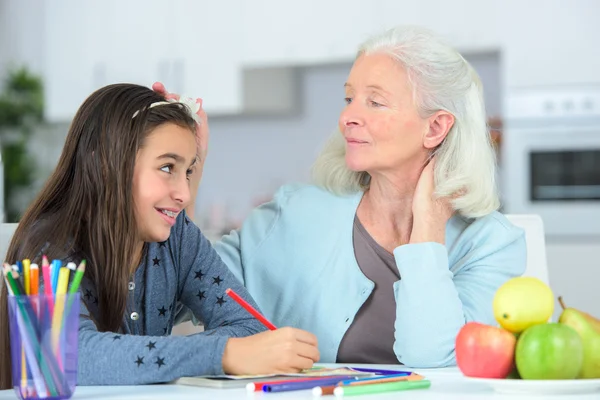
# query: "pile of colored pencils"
{"points": [[386, 381], [40, 304]]}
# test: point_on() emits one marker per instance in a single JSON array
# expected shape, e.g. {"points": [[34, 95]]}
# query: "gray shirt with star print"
{"points": [[182, 274]]}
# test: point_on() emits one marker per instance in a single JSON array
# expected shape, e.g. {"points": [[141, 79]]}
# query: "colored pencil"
{"points": [[47, 285], [380, 388], [286, 387], [250, 309], [77, 278], [58, 316], [7, 267], [56, 265], [26, 275], [26, 263], [38, 379], [328, 390], [20, 290], [34, 272], [389, 378], [73, 288], [381, 371], [258, 386]]}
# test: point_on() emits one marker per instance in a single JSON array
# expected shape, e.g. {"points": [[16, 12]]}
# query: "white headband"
{"points": [[192, 106]]}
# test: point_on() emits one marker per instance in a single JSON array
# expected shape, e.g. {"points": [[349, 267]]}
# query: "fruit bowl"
{"points": [[541, 386], [527, 353]]}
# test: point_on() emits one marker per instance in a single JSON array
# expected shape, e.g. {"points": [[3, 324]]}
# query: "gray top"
{"points": [[370, 337], [182, 273]]}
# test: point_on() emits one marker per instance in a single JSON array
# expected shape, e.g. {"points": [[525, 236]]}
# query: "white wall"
{"points": [[21, 24], [202, 47], [192, 46], [543, 41]]}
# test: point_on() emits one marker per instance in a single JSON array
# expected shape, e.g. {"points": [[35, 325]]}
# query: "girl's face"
{"points": [[161, 186]]}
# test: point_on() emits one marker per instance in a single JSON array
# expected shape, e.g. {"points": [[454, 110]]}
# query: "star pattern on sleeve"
{"points": [[221, 301], [156, 261], [217, 280], [162, 311], [198, 274], [160, 361], [139, 361], [201, 294], [151, 345], [162, 244], [116, 337]]}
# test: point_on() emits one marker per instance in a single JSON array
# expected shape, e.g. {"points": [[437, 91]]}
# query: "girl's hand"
{"points": [[285, 350]]}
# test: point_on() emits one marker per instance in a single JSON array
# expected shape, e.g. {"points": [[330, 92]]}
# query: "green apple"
{"points": [[588, 328], [549, 351]]}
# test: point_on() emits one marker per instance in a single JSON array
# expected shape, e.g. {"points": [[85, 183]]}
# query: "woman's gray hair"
{"points": [[441, 79]]}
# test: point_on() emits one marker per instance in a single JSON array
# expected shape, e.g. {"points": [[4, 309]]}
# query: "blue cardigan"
{"points": [[295, 256]]}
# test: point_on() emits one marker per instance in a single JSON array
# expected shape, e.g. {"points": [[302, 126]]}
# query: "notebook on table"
{"points": [[240, 381]]}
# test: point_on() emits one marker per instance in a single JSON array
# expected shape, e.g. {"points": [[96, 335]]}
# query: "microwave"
{"points": [[550, 159]]}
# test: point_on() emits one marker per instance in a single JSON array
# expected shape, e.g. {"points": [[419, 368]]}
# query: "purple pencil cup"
{"points": [[44, 345]]}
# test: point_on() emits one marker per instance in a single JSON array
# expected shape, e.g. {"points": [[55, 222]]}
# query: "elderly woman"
{"points": [[399, 243]]}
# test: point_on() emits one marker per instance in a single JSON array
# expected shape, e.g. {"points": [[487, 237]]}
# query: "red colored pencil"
{"points": [[250, 309]]}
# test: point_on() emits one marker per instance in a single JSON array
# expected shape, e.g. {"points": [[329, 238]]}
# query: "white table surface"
{"points": [[446, 383]]}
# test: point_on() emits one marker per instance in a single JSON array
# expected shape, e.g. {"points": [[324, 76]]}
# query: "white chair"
{"points": [[6, 233], [533, 225]]}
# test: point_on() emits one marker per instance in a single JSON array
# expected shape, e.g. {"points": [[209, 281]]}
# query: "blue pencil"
{"points": [[301, 385], [56, 264], [381, 371]]}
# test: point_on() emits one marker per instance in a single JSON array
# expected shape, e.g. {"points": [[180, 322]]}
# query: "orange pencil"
{"points": [[250, 309], [34, 281]]}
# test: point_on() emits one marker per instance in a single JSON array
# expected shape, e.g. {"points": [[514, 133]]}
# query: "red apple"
{"points": [[485, 351]]}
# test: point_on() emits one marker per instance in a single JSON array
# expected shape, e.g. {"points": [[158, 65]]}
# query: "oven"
{"points": [[550, 158]]}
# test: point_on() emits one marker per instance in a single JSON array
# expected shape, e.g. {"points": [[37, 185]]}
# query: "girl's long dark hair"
{"points": [[86, 209]]}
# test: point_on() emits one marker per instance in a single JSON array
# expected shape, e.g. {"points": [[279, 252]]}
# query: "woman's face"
{"points": [[381, 124]]}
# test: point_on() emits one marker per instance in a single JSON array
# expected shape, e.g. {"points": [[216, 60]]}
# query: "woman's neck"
{"points": [[386, 209]]}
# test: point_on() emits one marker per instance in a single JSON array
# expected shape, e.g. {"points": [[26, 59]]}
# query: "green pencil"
{"points": [[73, 290], [77, 279], [380, 388]]}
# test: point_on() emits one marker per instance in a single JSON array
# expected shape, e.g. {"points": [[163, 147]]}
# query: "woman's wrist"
{"points": [[428, 232]]}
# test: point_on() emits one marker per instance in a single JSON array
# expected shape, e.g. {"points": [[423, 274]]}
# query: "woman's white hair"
{"points": [[441, 79]]}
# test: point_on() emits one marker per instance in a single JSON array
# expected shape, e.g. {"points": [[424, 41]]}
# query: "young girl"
{"points": [[117, 199]]}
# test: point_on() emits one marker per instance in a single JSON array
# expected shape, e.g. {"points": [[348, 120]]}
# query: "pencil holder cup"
{"points": [[44, 345]]}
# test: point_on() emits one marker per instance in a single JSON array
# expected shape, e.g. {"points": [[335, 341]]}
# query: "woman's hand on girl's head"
{"points": [[285, 350], [160, 88], [202, 131], [430, 215]]}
